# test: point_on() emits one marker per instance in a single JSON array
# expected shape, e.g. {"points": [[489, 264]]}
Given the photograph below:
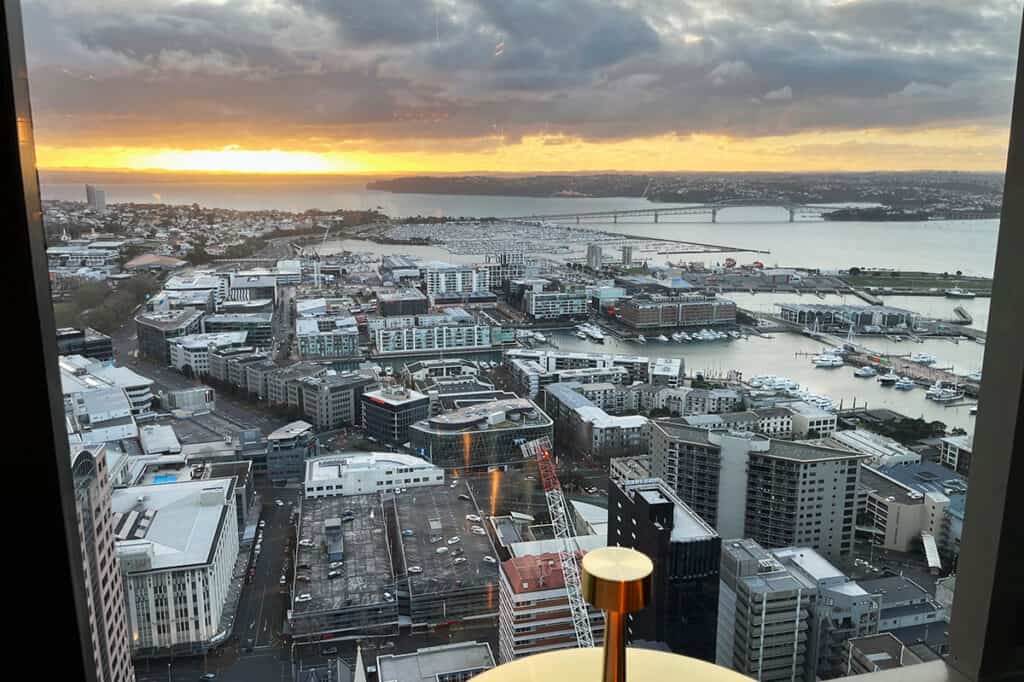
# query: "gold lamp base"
{"points": [[586, 665]]}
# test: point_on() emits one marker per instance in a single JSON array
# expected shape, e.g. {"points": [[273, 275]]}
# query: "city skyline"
{"points": [[471, 86]]}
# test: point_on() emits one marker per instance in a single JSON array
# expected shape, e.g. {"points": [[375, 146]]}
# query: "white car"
{"points": [[279, 503], [306, 596], [415, 569], [473, 518], [491, 560], [283, 580], [455, 540], [389, 597], [263, 524], [441, 550], [335, 564], [459, 560]]}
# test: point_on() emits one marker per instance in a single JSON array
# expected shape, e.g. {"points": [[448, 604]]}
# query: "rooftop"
{"points": [[496, 414], [292, 430], [202, 341], [332, 466], [534, 573], [393, 395], [179, 282], [239, 318], [425, 665], [177, 524], [438, 511], [884, 651], [173, 319], [686, 524], [366, 568], [408, 294]]}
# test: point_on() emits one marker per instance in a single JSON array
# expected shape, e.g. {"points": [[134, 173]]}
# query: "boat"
{"points": [[734, 334], [685, 337], [904, 384], [827, 361], [888, 379], [677, 337], [974, 409], [865, 372], [662, 337], [957, 292], [974, 376], [580, 335], [923, 358], [640, 338], [948, 395], [540, 337]]}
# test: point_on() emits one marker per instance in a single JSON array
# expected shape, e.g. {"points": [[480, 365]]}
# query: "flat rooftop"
{"points": [[438, 511], [366, 566], [426, 664], [491, 415], [292, 430], [173, 319], [184, 520], [686, 524], [884, 651], [390, 396], [330, 467]]}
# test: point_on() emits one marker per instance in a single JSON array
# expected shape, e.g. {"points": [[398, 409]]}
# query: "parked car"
{"points": [[283, 580], [408, 532], [434, 539], [441, 550], [465, 497], [305, 596], [279, 503], [457, 551], [491, 560], [460, 560], [454, 540], [478, 530], [415, 569], [263, 524], [473, 518], [334, 574]]}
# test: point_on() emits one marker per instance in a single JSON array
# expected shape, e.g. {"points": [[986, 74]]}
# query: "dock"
{"points": [[870, 299], [962, 316]]}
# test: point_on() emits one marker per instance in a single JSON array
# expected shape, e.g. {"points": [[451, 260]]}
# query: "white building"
{"points": [[810, 420], [326, 337], [446, 278], [177, 544], [80, 374], [881, 451], [956, 453], [595, 257], [533, 608], [353, 473], [551, 305], [441, 337], [193, 351], [204, 283]]}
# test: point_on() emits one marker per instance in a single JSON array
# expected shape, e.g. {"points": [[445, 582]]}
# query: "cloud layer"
{"points": [[468, 75]]}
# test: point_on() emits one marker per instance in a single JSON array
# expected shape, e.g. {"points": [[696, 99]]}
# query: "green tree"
{"points": [[90, 295]]}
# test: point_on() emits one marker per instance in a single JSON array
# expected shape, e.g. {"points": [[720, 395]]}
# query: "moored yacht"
{"points": [[888, 379], [865, 372]]}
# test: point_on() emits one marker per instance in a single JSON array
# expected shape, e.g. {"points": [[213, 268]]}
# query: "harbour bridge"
{"points": [[709, 210]]}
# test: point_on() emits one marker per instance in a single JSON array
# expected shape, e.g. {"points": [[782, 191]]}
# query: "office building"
{"points": [[363, 473], [288, 448], [439, 338], [155, 331], [259, 327], [764, 615], [683, 310], [334, 400], [198, 283], [403, 302], [96, 199], [190, 354], [79, 375], [875, 653], [389, 411], [627, 256], [914, 504], [555, 305], [108, 622], [533, 608], [481, 435], [595, 257], [842, 609], [746, 485], [284, 387], [647, 516], [445, 663], [250, 287], [324, 339], [177, 544], [956, 453], [86, 342], [905, 606], [503, 267]]}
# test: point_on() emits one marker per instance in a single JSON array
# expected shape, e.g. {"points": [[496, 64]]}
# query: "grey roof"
{"points": [[565, 393], [894, 588], [926, 477], [425, 665], [175, 319]]}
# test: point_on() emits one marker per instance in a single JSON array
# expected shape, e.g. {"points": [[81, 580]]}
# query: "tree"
{"points": [[959, 273], [90, 295], [855, 271]]}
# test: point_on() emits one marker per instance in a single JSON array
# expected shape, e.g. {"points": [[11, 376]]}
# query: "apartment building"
{"points": [[554, 305], [446, 278], [108, 622], [334, 400], [779, 493], [688, 310], [326, 338], [190, 354], [432, 338], [533, 608]]}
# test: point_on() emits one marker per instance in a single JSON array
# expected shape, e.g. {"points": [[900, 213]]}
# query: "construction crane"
{"points": [[541, 450]]}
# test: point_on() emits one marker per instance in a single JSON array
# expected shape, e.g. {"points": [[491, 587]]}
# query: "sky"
{"points": [[450, 86]]}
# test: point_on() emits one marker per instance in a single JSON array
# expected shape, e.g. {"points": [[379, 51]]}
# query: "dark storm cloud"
{"points": [[317, 71]]}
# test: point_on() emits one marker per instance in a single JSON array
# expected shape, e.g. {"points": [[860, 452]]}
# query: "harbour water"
{"points": [[934, 246], [779, 356]]}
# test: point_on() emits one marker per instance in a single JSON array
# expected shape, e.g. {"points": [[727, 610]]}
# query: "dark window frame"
{"points": [[985, 639]]}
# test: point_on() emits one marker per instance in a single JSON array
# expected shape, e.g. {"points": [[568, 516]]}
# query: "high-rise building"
{"points": [[627, 255], [96, 198], [389, 411], [764, 616], [289, 448], [533, 608], [108, 622], [334, 400], [647, 516], [446, 278], [595, 256], [746, 485]]}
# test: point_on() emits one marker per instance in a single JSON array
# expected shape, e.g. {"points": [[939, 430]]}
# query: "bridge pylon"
{"points": [[792, 214], [714, 215]]}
